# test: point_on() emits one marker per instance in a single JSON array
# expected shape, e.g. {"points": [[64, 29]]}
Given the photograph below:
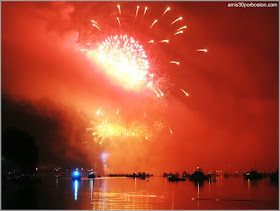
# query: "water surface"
{"points": [[133, 193]]}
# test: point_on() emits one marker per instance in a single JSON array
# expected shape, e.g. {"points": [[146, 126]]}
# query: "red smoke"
{"points": [[230, 119]]}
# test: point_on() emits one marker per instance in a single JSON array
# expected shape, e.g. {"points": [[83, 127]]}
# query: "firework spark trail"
{"points": [[179, 32], [119, 8], [183, 27], [151, 41], [178, 19], [98, 111], [146, 8], [106, 119], [202, 50], [170, 131], [161, 92], [167, 9], [174, 62], [153, 23], [185, 92], [94, 22], [119, 22], [137, 9], [96, 26], [118, 111], [156, 93]]}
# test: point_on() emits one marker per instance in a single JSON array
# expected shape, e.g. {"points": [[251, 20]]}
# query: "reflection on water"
{"points": [[76, 187], [136, 194], [91, 188]]}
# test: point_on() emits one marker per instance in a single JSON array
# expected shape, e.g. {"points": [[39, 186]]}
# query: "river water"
{"points": [[156, 193]]}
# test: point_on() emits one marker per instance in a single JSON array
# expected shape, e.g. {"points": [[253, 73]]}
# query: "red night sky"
{"points": [[229, 120]]}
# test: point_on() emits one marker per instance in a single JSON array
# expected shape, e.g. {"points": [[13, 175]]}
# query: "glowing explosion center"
{"points": [[124, 60]]}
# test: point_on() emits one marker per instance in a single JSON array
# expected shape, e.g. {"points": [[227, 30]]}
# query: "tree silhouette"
{"points": [[19, 149]]}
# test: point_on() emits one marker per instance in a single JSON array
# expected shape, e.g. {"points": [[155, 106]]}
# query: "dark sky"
{"points": [[229, 121]]}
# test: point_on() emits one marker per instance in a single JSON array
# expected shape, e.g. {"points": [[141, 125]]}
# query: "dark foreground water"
{"points": [[133, 193]]}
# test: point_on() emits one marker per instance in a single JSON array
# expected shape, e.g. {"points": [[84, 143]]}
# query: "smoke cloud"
{"points": [[229, 120]]}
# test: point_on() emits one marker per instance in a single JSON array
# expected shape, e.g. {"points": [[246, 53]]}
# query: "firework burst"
{"points": [[107, 128], [124, 60], [128, 62], [126, 55]]}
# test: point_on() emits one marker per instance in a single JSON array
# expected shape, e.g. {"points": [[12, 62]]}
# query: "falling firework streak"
{"points": [[174, 62], [119, 21], [146, 8], [161, 92], [96, 26], [137, 9], [202, 50], [185, 92], [179, 32], [153, 23], [170, 131], [119, 9], [156, 93], [178, 19], [183, 27], [98, 111], [167, 9]]}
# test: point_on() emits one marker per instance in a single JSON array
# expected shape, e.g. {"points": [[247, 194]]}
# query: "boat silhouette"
{"points": [[253, 174], [198, 176], [91, 175]]}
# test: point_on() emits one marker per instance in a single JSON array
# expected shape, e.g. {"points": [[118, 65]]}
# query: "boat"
{"points": [[91, 175], [132, 175], [253, 174], [185, 174], [140, 175], [198, 176], [76, 175], [274, 177], [175, 178]]}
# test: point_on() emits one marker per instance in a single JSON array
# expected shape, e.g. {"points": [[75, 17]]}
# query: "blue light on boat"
{"points": [[76, 174]]}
